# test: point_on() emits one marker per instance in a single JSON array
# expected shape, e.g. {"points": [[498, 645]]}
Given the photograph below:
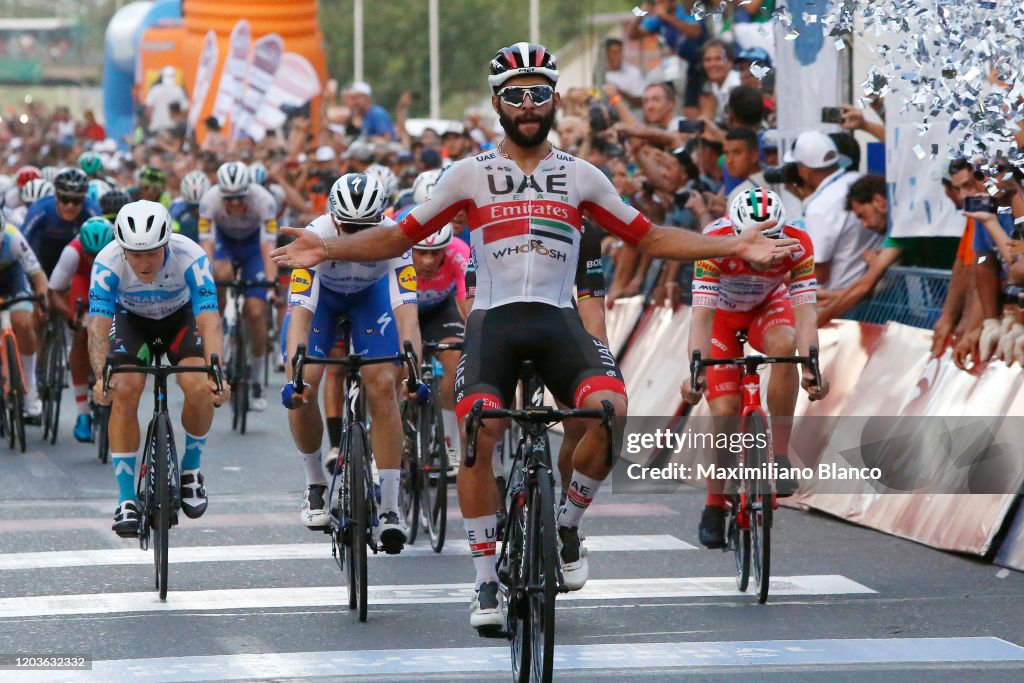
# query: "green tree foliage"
{"points": [[396, 47]]}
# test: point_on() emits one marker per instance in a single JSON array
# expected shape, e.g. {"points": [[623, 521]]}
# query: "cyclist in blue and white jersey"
{"points": [[150, 288], [52, 222], [379, 299], [238, 227], [20, 273]]}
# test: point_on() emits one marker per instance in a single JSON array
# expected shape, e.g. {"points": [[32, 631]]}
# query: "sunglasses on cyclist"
{"points": [[516, 94], [234, 198], [72, 199]]}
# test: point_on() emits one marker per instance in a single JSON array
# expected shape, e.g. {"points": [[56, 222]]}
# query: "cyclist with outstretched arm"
{"points": [[525, 201], [778, 317]]}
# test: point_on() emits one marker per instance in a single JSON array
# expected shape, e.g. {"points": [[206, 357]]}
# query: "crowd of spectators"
{"points": [[677, 142]]}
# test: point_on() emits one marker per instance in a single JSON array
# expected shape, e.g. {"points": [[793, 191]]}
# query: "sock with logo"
{"points": [[483, 535], [193, 451], [579, 495], [124, 473]]}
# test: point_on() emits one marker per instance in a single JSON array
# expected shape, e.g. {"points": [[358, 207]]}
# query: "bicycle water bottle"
{"points": [[436, 367]]}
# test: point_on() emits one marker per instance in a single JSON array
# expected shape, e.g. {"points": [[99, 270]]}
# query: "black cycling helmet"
{"points": [[71, 181], [519, 59], [151, 175], [111, 202]]}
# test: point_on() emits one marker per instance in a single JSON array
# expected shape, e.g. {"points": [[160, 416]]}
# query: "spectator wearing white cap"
{"points": [[839, 238], [359, 156], [159, 99], [372, 119]]}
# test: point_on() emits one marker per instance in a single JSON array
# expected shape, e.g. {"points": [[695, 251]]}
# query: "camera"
{"points": [[602, 117], [980, 204], [1012, 295], [786, 174], [687, 126], [831, 115], [681, 197]]}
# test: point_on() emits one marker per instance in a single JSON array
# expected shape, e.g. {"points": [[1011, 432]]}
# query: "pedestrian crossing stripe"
{"points": [[325, 596], [678, 656], [293, 551]]}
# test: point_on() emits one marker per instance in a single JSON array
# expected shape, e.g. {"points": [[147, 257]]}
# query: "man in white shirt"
{"points": [[625, 77], [717, 59], [159, 99], [839, 238]]}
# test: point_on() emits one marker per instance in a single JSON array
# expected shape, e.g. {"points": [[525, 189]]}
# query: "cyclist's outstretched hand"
{"points": [[97, 393], [305, 252], [758, 250], [814, 392]]}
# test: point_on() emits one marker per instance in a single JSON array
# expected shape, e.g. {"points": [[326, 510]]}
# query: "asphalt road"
{"points": [[256, 596]]}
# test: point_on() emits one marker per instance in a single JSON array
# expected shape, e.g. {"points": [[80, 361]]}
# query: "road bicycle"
{"points": [[424, 486], [529, 571], [752, 499], [12, 401], [158, 488], [52, 374], [237, 359], [353, 514]]}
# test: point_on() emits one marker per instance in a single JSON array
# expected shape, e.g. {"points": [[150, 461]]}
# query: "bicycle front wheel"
{"points": [[543, 584], [16, 397], [513, 571], [56, 370], [359, 492], [162, 514], [760, 507], [434, 483]]}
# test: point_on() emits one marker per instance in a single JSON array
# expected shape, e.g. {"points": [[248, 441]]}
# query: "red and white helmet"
{"points": [[439, 240], [521, 59]]}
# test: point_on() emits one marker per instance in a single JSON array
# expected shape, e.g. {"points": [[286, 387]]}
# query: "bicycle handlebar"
{"points": [[352, 361], [541, 415], [241, 284], [437, 347], [751, 364], [212, 370], [6, 303]]}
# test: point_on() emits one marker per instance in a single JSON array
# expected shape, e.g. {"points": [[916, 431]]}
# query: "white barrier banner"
{"points": [[204, 77], [233, 74]]}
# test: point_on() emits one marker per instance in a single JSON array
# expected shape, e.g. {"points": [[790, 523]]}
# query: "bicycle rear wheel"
{"points": [[162, 513], [434, 483], [739, 541], [541, 533], [760, 508], [16, 397], [359, 492]]}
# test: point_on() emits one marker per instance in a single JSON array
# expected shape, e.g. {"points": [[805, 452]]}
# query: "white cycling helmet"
{"points": [[439, 240], [755, 206], [49, 172], [387, 178], [37, 188], [357, 199], [193, 186], [233, 178], [424, 185], [142, 226]]}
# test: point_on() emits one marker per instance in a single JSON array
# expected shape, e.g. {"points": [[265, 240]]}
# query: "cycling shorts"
{"points": [[373, 326], [14, 282], [724, 380], [134, 339], [442, 321], [571, 363], [247, 255]]}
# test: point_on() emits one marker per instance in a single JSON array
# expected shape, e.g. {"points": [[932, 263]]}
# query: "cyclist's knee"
{"points": [[727, 405], [127, 388], [21, 322], [780, 341], [380, 382], [595, 400], [253, 307]]}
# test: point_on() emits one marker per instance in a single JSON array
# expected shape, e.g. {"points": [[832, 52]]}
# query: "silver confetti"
{"points": [[637, 12]]}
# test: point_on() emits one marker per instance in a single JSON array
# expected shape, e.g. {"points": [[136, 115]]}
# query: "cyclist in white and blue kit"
{"points": [[153, 288], [238, 227], [379, 298]]}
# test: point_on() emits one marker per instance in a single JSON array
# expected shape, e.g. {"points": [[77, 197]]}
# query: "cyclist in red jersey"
{"points": [[731, 296], [69, 288], [525, 202]]}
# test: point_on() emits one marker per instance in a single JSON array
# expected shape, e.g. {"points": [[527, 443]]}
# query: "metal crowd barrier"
{"points": [[911, 296]]}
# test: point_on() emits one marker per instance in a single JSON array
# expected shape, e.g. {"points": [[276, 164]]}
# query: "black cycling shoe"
{"points": [[788, 486], [711, 531], [126, 520]]}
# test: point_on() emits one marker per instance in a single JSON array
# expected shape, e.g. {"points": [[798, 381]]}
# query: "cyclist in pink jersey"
{"points": [[441, 264], [774, 307], [525, 202]]}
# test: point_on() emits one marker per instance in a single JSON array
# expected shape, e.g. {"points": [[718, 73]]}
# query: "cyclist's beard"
{"points": [[511, 127]]}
